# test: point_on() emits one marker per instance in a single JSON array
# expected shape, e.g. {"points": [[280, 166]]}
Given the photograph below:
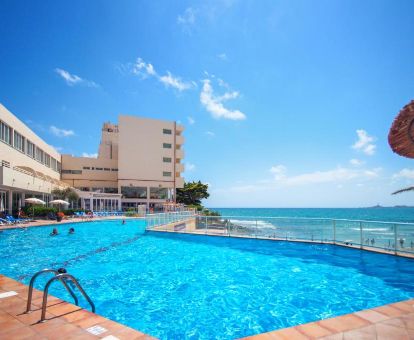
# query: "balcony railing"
{"points": [[391, 237]]}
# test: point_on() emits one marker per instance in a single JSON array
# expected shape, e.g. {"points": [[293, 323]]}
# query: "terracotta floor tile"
{"points": [[62, 308], [129, 334], [372, 315], [61, 331], [390, 311], [83, 336], [91, 321], [364, 333], [387, 332], [41, 327], [397, 322], [288, 334], [344, 323], [337, 336], [408, 321], [77, 315], [313, 330], [111, 326], [19, 333], [9, 325], [32, 317], [406, 307]]}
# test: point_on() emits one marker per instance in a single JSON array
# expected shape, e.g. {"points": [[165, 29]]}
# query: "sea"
{"points": [[348, 225], [386, 214]]}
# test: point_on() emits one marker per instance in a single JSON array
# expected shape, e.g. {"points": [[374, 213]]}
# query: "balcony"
{"points": [[179, 128], [179, 167], [179, 182], [179, 140], [179, 154]]}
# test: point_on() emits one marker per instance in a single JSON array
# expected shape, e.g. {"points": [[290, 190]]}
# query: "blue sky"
{"points": [[285, 103]]}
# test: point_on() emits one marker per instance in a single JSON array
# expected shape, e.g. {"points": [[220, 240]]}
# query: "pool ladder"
{"points": [[64, 278]]}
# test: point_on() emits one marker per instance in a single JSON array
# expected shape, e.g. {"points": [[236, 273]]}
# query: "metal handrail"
{"points": [[32, 281], [62, 278]]}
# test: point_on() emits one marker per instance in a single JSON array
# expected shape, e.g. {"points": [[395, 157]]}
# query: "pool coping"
{"points": [[63, 319]]}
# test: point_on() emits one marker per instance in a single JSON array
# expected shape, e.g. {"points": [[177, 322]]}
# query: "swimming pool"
{"points": [[176, 286]]}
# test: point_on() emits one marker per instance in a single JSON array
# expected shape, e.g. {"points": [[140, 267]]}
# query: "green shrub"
{"points": [[38, 210]]}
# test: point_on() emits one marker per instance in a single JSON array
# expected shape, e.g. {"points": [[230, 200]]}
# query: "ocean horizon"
{"points": [[386, 214]]}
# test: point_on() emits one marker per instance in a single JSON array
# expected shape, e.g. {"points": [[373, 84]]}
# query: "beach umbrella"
{"points": [[401, 135], [34, 201], [59, 202]]}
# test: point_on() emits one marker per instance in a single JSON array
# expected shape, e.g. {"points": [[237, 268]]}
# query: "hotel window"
{"points": [[59, 166], [53, 164], [98, 168], [134, 192], [166, 131], [19, 141], [74, 172], [111, 190], [30, 150], [47, 160], [107, 169], [5, 133], [166, 159], [39, 155], [114, 169], [86, 168], [166, 145], [166, 174], [159, 193]]}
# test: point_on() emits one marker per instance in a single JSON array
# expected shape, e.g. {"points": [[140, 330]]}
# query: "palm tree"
{"points": [[65, 194], [403, 190]]}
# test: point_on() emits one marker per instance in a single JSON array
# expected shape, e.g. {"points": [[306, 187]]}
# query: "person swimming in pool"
{"points": [[54, 232], [123, 222], [71, 230]]}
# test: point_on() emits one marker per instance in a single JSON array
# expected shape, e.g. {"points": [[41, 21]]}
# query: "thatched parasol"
{"points": [[401, 135]]}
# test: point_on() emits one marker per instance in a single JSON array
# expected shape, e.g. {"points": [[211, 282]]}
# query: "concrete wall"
{"points": [[17, 158]]}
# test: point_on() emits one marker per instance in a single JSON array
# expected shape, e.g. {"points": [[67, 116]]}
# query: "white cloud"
{"points": [[170, 81], [222, 56], [189, 167], [191, 120], [214, 104], [89, 155], [73, 79], [404, 173], [144, 70], [61, 132], [188, 18], [210, 133], [356, 162], [339, 174], [364, 143]]}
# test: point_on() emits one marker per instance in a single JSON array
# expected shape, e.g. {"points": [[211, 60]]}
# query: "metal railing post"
{"points": [[206, 222], [255, 230], [395, 239], [360, 235]]}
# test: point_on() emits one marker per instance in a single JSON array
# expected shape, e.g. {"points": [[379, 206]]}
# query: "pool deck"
{"points": [[64, 320], [393, 321]]}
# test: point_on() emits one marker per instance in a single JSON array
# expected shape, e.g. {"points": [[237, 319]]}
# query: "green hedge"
{"points": [[41, 211]]}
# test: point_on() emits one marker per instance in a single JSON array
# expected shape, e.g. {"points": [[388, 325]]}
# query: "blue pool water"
{"points": [[176, 286]]}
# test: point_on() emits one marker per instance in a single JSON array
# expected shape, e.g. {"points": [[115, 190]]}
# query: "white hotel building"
{"points": [[139, 163]]}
